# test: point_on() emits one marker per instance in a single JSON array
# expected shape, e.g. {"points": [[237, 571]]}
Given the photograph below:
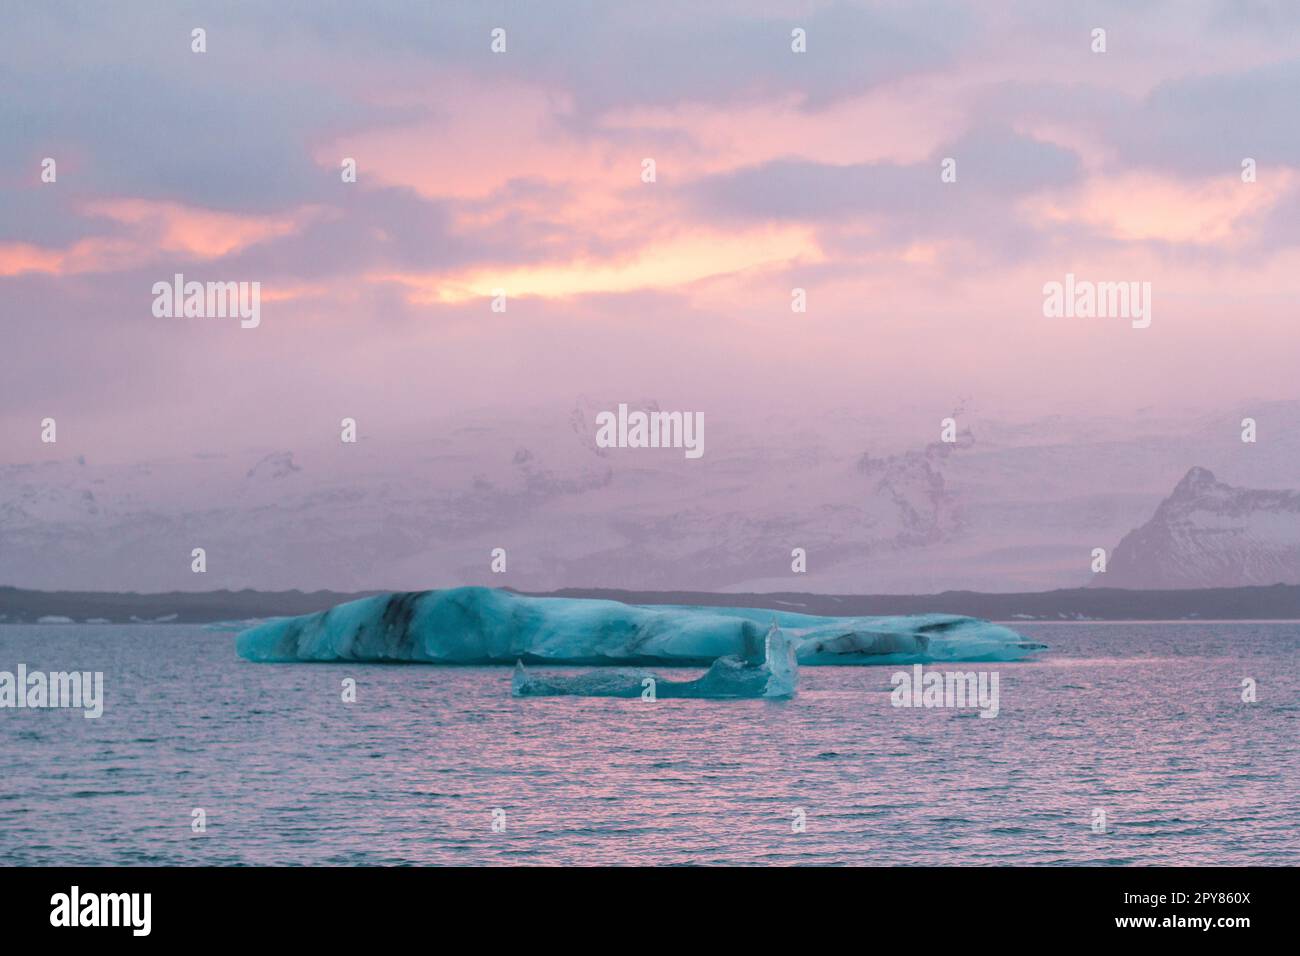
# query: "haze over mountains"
{"points": [[878, 502]]}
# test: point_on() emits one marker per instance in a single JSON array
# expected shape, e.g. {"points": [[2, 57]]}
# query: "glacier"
{"points": [[477, 625], [775, 677]]}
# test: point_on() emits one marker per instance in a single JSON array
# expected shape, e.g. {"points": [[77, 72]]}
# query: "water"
{"points": [[1143, 721]]}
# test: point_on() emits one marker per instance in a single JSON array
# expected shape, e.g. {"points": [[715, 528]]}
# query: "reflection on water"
{"points": [[1143, 721]]}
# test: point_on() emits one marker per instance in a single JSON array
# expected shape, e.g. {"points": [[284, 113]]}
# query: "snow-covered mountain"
{"points": [[1210, 534], [877, 501]]}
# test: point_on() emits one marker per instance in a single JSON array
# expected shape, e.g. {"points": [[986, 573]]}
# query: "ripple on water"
{"points": [[412, 772]]}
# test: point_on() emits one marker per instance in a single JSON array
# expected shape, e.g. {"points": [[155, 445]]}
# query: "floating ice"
{"points": [[776, 676], [910, 639], [487, 626]]}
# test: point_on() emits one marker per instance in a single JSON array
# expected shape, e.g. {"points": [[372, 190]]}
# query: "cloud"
{"points": [[873, 206], [776, 170], [1205, 125], [607, 56]]}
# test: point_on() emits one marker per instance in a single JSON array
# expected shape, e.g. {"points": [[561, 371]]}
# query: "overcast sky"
{"points": [[523, 171]]}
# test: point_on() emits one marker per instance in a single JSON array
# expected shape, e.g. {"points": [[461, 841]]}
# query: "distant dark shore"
{"points": [[1278, 602]]}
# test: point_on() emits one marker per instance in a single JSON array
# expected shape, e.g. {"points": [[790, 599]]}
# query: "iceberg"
{"points": [[774, 677], [475, 625]]}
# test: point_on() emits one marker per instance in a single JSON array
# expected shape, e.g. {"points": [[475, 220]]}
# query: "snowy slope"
{"points": [[877, 501], [1210, 534]]}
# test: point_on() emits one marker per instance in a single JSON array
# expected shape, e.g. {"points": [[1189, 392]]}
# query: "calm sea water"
{"points": [[1142, 721]]}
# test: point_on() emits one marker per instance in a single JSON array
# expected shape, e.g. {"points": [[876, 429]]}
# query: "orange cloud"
{"points": [[673, 262], [205, 233], [98, 254], [1144, 206], [19, 257], [151, 229]]}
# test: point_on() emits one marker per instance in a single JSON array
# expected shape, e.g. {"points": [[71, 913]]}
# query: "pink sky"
{"points": [[522, 171]]}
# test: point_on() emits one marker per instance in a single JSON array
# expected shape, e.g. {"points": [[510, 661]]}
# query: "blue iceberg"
{"points": [[776, 677], [475, 625]]}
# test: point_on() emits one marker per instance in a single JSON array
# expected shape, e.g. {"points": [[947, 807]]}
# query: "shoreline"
{"points": [[1276, 603]]}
